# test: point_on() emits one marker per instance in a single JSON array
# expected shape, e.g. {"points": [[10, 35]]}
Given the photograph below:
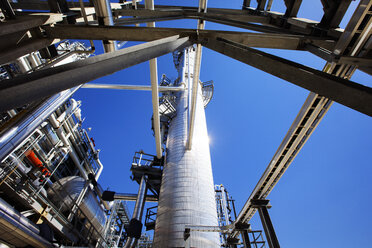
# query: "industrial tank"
{"points": [[69, 189]]}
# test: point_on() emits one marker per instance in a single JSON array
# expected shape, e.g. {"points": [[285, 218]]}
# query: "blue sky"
{"points": [[322, 200]]}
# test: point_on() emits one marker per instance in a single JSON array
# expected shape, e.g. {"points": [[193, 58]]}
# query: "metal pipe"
{"points": [[131, 87], [104, 17], [98, 190], [195, 84], [18, 164], [21, 229], [61, 135], [138, 210], [149, 4], [12, 138], [141, 198], [98, 174], [96, 156], [133, 197], [23, 64]]}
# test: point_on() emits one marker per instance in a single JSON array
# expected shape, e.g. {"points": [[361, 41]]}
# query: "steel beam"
{"points": [[7, 9], [268, 227], [266, 18], [293, 6], [345, 92], [246, 241], [246, 3], [242, 16], [241, 24], [27, 88], [136, 20], [9, 54], [278, 41], [28, 21], [43, 5], [261, 4], [334, 11], [309, 117], [131, 87]]}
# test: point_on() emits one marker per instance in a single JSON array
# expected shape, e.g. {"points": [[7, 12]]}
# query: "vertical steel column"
{"points": [[246, 241], [268, 227], [187, 189]]}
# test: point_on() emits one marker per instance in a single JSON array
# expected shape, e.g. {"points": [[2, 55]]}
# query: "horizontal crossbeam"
{"points": [[278, 41], [348, 93]]}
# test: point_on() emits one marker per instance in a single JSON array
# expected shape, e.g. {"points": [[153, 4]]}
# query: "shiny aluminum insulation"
{"points": [[70, 187], [187, 191]]}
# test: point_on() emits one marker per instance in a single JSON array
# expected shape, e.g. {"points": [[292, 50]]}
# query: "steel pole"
{"points": [[268, 227]]}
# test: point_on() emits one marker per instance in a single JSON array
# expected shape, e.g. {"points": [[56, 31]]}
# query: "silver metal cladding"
{"points": [[187, 191]]}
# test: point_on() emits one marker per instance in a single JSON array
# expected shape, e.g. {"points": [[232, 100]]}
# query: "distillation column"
{"points": [[187, 191]]}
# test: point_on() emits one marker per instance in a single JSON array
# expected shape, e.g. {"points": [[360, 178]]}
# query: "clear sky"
{"points": [[324, 197]]}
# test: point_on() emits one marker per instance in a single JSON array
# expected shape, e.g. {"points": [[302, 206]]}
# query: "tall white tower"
{"points": [[187, 191]]}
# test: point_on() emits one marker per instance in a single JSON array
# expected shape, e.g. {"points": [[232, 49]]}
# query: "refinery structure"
{"points": [[50, 192]]}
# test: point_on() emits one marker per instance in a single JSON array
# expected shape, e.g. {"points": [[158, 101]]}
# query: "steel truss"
{"points": [[344, 52]]}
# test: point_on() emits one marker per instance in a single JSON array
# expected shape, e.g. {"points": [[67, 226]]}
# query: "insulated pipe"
{"points": [[104, 16], [133, 197], [12, 138], [96, 156], [72, 108], [111, 196], [61, 135], [131, 87], [17, 162], [35, 62], [98, 190], [141, 197], [138, 211], [201, 25], [19, 227], [98, 174], [23, 64], [149, 4]]}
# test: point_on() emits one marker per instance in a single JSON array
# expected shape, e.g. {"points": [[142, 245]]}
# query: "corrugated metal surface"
{"points": [[187, 190]]}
